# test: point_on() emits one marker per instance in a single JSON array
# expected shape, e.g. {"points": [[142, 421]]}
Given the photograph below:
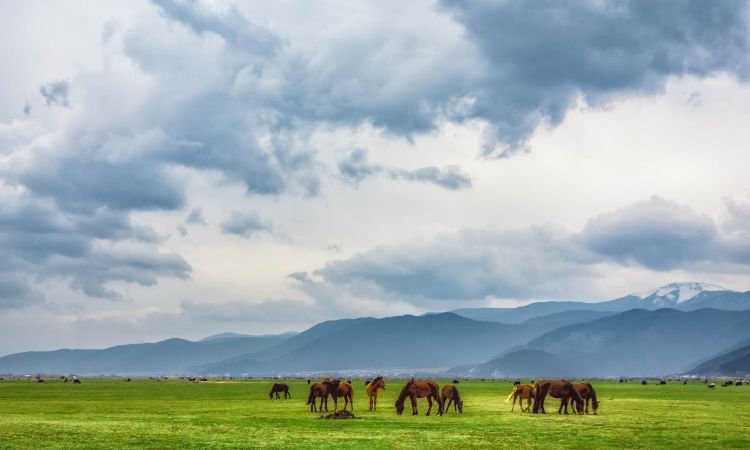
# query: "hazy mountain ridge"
{"points": [[637, 342], [625, 336]]}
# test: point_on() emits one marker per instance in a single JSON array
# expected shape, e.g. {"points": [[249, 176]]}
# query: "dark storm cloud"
{"points": [[541, 56], [356, 167], [245, 224], [196, 217], [539, 262], [46, 243], [54, 93], [658, 234], [16, 292]]}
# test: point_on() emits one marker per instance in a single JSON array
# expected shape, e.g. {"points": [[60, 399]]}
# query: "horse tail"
{"points": [[576, 395], [435, 389], [512, 393], [311, 397]]}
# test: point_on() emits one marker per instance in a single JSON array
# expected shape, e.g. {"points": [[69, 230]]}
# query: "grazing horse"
{"points": [[522, 392], [322, 390], [76, 381], [279, 387], [342, 389], [557, 389], [372, 391], [587, 393], [415, 389], [450, 393]]}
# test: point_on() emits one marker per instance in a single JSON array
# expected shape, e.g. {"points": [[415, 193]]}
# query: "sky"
{"points": [[183, 168]]}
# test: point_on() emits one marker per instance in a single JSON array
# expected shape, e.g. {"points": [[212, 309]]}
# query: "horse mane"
{"points": [[575, 394], [594, 401], [456, 394], [404, 392]]}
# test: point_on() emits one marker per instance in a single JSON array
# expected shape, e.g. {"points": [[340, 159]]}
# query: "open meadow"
{"points": [[113, 413]]}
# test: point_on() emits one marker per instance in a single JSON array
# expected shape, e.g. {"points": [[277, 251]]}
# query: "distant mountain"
{"points": [[682, 296], [642, 342], [431, 341], [524, 363], [253, 362], [565, 318], [214, 337], [633, 343], [172, 356], [734, 363]]}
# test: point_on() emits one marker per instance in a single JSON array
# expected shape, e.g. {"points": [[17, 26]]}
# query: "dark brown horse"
{"points": [[558, 389], [522, 392], [279, 387], [342, 389], [415, 389], [588, 394], [372, 391], [322, 390], [450, 393]]}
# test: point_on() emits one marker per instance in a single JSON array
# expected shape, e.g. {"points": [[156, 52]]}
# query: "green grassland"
{"points": [[238, 414]]}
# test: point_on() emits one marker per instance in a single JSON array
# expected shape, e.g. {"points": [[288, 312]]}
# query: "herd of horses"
{"points": [[581, 395]]}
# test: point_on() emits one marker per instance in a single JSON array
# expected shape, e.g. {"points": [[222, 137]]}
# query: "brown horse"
{"points": [[557, 389], [415, 389], [372, 391], [522, 392], [322, 390], [279, 387], [588, 394], [342, 389], [450, 393]]}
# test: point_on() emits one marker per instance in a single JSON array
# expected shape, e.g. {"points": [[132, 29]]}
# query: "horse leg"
{"points": [[414, 411], [587, 406], [429, 405]]}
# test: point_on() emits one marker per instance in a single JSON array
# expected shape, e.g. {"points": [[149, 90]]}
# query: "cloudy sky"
{"points": [[179, 168]]}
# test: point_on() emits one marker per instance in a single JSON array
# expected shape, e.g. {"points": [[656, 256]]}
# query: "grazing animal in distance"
{"points": [[557, 389], [39, 380], [644, 382], [738, 383], [415, 389], [342, 389], [712, 385], [516, 383], [372, 391], [662, 382], [308, 381], [587, 394], [279, 387], [322, 390], [451, 394], [522, 392], [455, 381], [76, 381]]}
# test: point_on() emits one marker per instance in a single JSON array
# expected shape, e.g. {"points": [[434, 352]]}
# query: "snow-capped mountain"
{"points": [[674, 293]]}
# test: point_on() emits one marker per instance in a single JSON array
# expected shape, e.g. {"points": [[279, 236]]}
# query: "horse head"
{"points": [[595, 405]]}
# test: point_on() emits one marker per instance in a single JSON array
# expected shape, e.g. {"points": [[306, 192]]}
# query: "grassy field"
{"points": [[238, 414]]}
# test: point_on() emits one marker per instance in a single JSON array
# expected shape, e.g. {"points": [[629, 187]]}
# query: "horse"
{"points": [[342, 389], [321, 390], [587, 393], [76, 381], [450, 393], [372, 391], [415, 389], [279, 387], [557, 389], [522, 392]]}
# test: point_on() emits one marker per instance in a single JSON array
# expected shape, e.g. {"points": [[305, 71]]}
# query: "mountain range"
{"points": [[673, 329]]}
